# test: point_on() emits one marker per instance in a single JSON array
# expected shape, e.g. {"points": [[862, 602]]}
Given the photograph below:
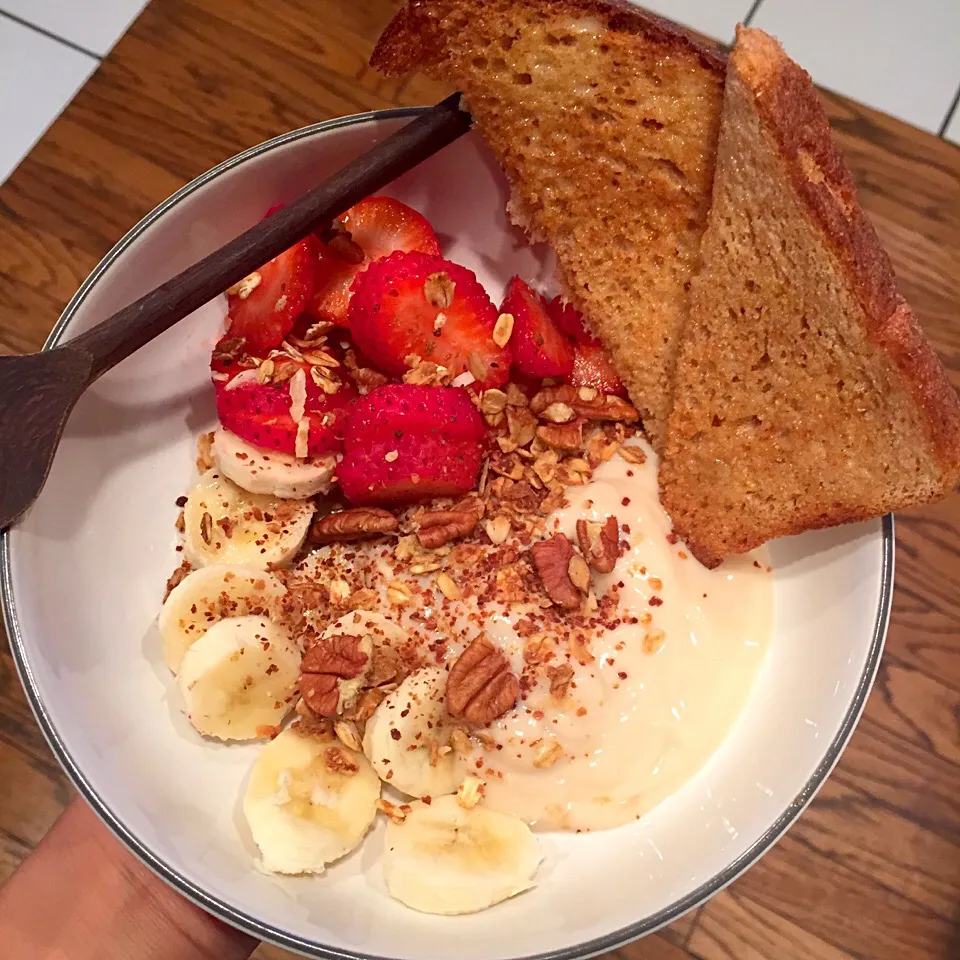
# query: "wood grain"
{"points": [[872, 869]]}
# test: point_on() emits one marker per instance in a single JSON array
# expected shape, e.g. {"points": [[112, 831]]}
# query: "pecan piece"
{"points": [[600, 407], [480, 686], [356, 524], [599, 543], [177, 576], [559, 677], [439, 527], [552, 559], [334, 666]]}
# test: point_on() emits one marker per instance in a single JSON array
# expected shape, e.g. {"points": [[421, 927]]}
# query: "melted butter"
{"points": [[630, 741]]}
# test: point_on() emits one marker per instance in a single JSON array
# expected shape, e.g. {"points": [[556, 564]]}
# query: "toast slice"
{"points": [[605, 120], [806, 393]]}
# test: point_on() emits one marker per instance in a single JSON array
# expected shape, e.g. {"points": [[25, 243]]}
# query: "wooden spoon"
{"points": [[38, 391]]}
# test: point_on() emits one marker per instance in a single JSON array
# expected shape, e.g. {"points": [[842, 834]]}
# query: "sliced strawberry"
{"points": [[540, 349], [402, 409], [408, 469], [268, 313], [373, 228], [592, 367], [569, 320], [412, 304], [260, 413]]}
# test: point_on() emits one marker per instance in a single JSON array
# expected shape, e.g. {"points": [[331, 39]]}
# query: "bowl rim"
{"points": [[267, 931]]}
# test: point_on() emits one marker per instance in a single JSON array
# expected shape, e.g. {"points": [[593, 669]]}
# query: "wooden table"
{"points": [[872, 869]]}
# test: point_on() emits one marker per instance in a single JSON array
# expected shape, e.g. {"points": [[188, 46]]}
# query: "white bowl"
{"points": [[83, 575]]}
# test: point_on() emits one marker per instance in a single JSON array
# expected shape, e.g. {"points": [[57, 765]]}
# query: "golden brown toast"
{"points": [[605, 120], [806, 393]]}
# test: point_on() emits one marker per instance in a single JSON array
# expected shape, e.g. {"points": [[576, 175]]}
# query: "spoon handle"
{"points": [[137, 324]]}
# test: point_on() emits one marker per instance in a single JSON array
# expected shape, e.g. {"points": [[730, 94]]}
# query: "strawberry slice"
{"points": [[260, 413], [413, 304], [569, 320], [540, 349], [404, 409], [267, 314], [408, 469], [592, 367], [371, 229]]}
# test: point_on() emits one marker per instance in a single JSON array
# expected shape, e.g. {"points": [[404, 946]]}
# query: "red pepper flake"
{"points": [[625, 502], [479, 763], [537, 714], [672, 537], [625, 527], [629, 473], [756, 563], [427, 800], [622, 675], [682, 555], [273, 668], [395, 733], [181, 502], [655, 601], [581, 711]]}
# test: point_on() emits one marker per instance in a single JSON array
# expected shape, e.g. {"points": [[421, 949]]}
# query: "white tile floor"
{"points": [[900, 56]]}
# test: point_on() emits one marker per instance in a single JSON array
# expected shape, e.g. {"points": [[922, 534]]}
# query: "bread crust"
{"points": [[412, 40], [789, 105]]}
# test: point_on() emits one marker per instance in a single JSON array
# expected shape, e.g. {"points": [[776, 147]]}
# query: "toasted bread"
{"points": [[806, 393], [605, 120]]}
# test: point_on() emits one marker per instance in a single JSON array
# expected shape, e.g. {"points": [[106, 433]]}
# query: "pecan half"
{"points": [[562, 436], [326, 666], [599, 407], [599, 543], [480, 686], [439, 527], [552, 559], [356, 524]]}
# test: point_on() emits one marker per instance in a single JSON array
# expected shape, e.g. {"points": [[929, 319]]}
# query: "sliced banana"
{"points": [[224, 524], [407, 737], [270, 472], [309, 802], [210, 594], [442, 858], [238, 680]]}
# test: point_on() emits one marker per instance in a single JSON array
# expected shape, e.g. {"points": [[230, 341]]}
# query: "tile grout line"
{"points": [[752, 12], [50, 35], [951, 110]]}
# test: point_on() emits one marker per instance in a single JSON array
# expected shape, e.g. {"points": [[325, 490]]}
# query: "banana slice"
{"points": [[407, 737], [208, 595], [238, 680], [224, 524], [270, 472], [445, 859], [309, 802]]}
